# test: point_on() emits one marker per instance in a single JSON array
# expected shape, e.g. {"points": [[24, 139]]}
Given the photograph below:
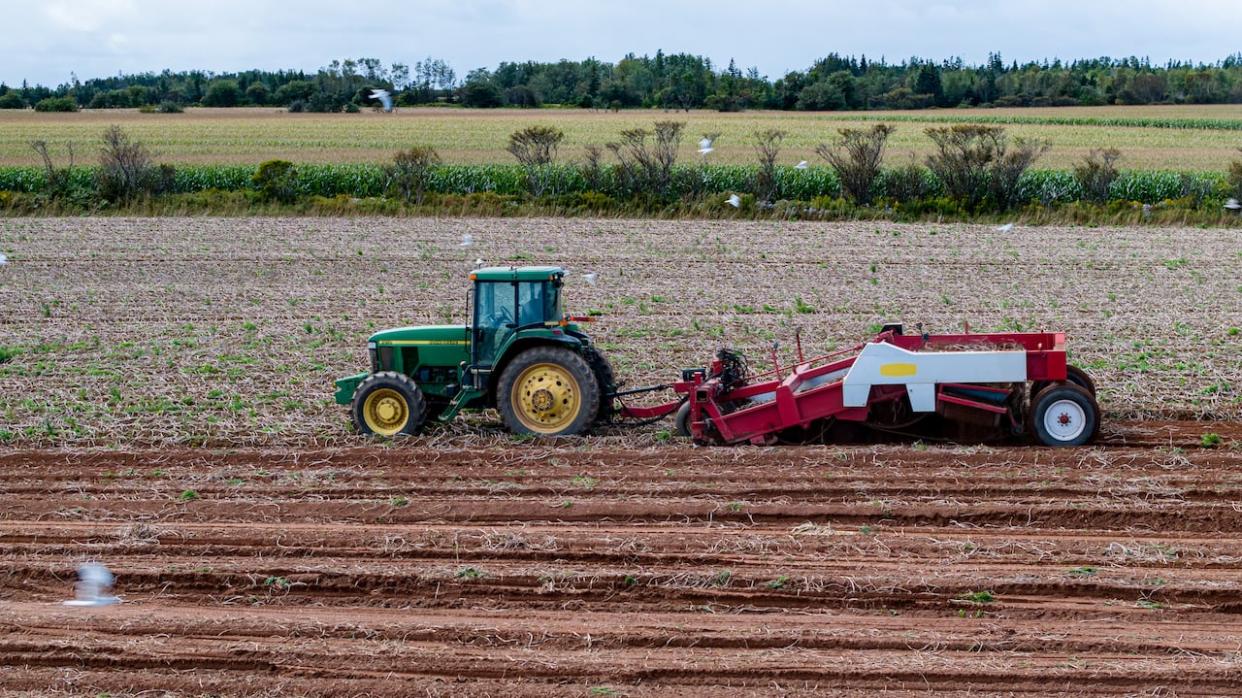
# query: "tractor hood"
{"points": [[422, 334]]}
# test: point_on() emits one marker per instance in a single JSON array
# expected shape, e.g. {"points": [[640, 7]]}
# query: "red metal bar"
{"points": [[955, 400]]}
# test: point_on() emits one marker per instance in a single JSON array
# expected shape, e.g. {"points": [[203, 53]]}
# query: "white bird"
{"points": [[383, 97], [590, 277], [3, 259], [94, 586], [1005, 228], [801, 165], [734, 200], [705, 146], [466, 240], [479, 263], [1231, 204]]}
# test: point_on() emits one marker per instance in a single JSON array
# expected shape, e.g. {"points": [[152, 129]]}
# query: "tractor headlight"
{"points": [[373, 357]]}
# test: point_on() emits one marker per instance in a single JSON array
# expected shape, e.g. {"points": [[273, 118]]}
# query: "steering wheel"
{"points": [[502, 316]]}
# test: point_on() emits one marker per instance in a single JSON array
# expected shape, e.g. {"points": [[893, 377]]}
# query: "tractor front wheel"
{"points": [[1064, 414], [548, 391], [388, 403]]}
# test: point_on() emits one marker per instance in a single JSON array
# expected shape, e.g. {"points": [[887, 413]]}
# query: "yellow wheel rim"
{"points": [[546, 398], [385, 411]]}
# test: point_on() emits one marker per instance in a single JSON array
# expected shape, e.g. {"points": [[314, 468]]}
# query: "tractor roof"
{"points": [[515, 273]]}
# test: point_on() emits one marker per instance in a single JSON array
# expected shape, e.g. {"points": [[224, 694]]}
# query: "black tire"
{"points": [[1077, 402], [607, 379], [681, 422], [1074, 375], [587, 390], [415, 406]]}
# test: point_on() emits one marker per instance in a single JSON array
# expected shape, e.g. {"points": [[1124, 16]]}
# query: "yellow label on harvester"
{"points": [[898, 370]]}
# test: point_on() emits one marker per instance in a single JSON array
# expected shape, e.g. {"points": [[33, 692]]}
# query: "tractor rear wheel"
{"points": [[607, 379], [388, 403], [1064, 414], [548, 391]]}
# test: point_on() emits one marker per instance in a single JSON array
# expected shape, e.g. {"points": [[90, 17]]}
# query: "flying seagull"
{"points": [[705, 146], [93, 587], [1005, 228], [801, 165], [466, 240], [590, 277], [1231, 204], [383, 97], [3, 259], [734, 200]]}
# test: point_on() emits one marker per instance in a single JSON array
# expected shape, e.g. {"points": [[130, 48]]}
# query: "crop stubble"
{"points": [[229, 332]]}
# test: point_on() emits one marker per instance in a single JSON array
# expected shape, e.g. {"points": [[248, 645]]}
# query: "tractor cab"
{"points": [[519, 353], [509, 301]]}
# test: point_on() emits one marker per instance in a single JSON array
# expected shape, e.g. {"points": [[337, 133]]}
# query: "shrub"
{"points": [[276, 180], [169, 107], [907, 183], [975, 161], [256, 93], [767, 146], [481, 94], [12, 100], [125, 169], [222, 93], [410, 172], [591, 169], [57, 104], [55, 179], [1234, 179], [1097, 172], [856, 159], [534, 147], [644, 167], [297, 106], [324, 103]]}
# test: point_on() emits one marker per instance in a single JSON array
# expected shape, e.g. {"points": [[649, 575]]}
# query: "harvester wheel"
{"points": [[1074, 375], [681, 422], [388, 403], [1064, 414], [549, 391]]}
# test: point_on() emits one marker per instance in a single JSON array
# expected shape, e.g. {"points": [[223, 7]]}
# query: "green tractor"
{"points": [[521, 355]]}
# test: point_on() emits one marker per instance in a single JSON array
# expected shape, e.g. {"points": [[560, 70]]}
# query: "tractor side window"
{"points": [[537, 302], [495, 305]]}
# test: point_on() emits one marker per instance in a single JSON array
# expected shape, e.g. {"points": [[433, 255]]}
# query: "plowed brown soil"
{"points": [[597, 571]]}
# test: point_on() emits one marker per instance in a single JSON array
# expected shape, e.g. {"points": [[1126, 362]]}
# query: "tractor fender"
{"points": [[520, 345]]}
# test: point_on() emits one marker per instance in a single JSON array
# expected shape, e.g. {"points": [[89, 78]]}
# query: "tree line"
{"points": [[670, 81]]}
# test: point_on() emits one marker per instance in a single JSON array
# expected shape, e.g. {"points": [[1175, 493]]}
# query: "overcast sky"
{"points": [[45, 40]]}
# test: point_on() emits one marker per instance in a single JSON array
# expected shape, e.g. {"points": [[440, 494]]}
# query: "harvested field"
{"points": [[291, 558], [596, 571], [228, 332]]}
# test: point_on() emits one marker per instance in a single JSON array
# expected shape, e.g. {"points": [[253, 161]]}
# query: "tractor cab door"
{"points": [[495, 318]]}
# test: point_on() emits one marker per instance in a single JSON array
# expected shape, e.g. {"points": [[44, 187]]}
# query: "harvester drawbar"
{"points": [[1015, 383]]}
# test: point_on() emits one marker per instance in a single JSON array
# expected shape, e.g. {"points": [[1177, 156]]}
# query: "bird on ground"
{"points": [[705, 146], [3, 259], [590, 277], [734, 200], [1005, 228], [384, 97], [801, 165], [466, 240], [479, 263]]}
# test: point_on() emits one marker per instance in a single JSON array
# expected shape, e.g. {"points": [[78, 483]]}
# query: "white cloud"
{"points": [[87, 15]]}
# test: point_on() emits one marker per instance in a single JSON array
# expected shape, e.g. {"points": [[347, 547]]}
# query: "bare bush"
{"points": [[55, 179], [535, 148], [856, 158], [410, 172], [126, 172], [592, 169], [767, 147], [1234, 178], [975, 161], [645, 166], [1097, 172]]}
